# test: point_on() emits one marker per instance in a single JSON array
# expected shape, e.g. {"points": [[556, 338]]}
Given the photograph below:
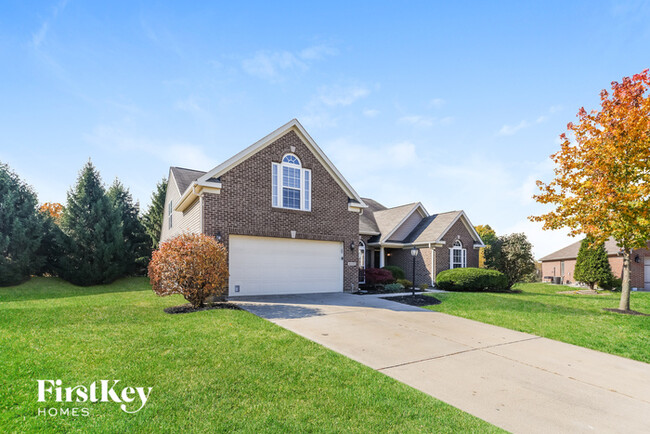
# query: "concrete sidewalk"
{"points": [[518, 381]]}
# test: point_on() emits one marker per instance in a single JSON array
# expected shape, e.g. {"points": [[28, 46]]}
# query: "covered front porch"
{"points": [[378, 256]]}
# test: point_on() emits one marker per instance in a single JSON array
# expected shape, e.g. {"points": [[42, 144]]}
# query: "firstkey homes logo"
{"points": [[131, 399]]}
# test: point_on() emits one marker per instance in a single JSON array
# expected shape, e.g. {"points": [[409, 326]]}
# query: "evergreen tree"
{"points": [[137, 251], [20, 229], [93, 241], [51, 245], [592, 265], [153, 218]]}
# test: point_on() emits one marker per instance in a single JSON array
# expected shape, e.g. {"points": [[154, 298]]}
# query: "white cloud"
{"points": [[509, 130], [272, 65], [423, 121], [172, 153], [370, 113], [318, 52], [318, 119], [269, 65], [437, 103], [39, 36], [190, 105], [334, 96]]}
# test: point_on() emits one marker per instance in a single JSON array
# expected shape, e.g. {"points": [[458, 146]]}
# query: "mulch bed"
{"points": [[187, 308], [626, 312], [416, 300]]}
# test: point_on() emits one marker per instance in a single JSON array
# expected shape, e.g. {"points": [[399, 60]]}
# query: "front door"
{"points": [[646, 272]]}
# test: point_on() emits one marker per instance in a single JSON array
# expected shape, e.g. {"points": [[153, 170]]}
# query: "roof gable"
{"points": [[415, 208], [307, 140], [184, 177]]}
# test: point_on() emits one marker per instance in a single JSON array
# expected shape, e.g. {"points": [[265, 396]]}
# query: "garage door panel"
{"points": [[260, 265]]}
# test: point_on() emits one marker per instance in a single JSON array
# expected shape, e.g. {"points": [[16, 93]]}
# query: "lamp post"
{"points": [[414, 253]]}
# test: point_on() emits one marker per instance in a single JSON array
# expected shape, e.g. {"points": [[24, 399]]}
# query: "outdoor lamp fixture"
{"points": [[218, 237], [414, 253], [637, 259], [352, 245]]}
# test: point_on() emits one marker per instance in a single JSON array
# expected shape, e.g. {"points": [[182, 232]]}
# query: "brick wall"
{"points": [[403, 259], [457, 232], [637, 277], [244, 205], [423, 265]]}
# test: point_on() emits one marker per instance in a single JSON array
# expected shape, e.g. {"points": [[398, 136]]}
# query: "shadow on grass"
{"points": [[43, 288]]}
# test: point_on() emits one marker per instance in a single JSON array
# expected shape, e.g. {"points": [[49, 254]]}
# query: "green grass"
{"points": [[218, 370], [576, 319]]}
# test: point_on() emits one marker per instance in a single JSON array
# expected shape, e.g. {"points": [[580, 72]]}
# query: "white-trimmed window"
{"points": [[457, 255], [291, 184]]}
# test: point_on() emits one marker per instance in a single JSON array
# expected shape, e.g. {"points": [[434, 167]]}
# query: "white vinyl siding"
{"points": [[188, 221]]}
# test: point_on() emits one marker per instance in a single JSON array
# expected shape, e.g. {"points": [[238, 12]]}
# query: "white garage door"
{"points": [[260, 265]]}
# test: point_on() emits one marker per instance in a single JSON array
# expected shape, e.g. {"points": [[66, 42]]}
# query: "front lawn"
{"points": [[576, 319], [216, 370]]}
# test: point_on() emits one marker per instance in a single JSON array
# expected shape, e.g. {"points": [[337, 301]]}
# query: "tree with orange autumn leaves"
{"points": [[193, 265], [55, 210], [601, 186]]}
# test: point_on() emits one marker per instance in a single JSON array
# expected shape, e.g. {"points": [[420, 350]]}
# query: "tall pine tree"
{"points": [[137, 250], [592, 265], [94, 241], [20, 229], [153, 218]]}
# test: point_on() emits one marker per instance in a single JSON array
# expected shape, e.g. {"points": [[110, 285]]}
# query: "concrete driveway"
{"points": [[518, 381]]}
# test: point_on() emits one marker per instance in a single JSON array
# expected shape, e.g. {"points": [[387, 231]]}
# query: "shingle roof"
{"points": [[184, 177], [367, 222], [571, 251], [389, 218], [431, 228]]}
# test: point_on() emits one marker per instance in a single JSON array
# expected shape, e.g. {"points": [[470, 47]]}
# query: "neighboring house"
{"points": [[562, 263], [293, 224]]}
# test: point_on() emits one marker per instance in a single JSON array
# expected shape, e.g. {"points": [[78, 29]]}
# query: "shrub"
{"points": [[193, 265], [423, 286], [396, 271], [471, 279], [378, 275], [613, 284], [394, 287], [404, 282]]}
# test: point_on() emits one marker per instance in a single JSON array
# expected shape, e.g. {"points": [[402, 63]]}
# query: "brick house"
{"points": [[562, 263], [293, 224]]}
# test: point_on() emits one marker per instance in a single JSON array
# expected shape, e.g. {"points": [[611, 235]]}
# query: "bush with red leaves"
{"points": [[378, 276], [193, 265]]}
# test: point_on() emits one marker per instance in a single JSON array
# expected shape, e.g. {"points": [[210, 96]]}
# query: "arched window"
{"points": [[291, 184], [457, 255]]}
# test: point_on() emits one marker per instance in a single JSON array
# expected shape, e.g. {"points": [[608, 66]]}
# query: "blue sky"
{"points": [[454, 104]]}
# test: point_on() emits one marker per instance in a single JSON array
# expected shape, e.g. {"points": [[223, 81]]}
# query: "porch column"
{"points": [[433, 266], [381, 257]]}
